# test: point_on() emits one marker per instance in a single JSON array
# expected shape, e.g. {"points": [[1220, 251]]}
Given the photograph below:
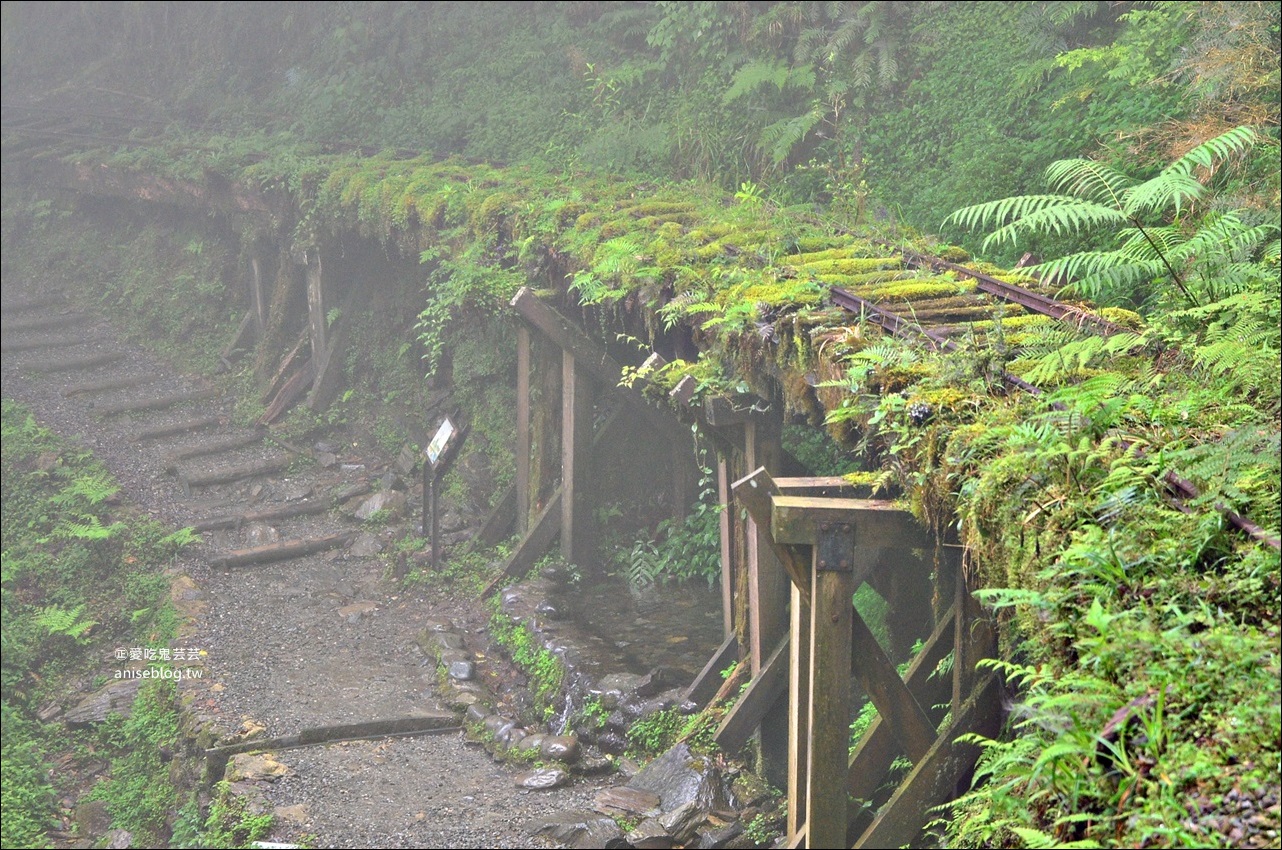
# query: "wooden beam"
{"points": [[523, 454], [827, 486], [756, 492], [542, 532], [709, 679], [798, 711], [879, 522], [936, 777], [592, 356], [768, 580], [831, 621], [726, 525], [878, 747], [895, 703], [280, 551], [762, 694], [576, 461], [303, 508], [498, 522]]}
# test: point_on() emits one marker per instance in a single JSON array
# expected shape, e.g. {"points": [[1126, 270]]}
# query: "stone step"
{"points": [[138, 405], [41, 322], [213, 446], [182, 426], [121, 383], [77, 363], [281, 551], [234, 472], [38, 343]]}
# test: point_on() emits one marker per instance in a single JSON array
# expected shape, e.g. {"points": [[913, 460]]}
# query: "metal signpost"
{"points": [[440, 456]]}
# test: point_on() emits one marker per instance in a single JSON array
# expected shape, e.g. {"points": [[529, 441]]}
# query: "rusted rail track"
{"points": [[1178, 488]]}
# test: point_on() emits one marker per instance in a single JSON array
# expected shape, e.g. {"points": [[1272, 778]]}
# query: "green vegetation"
{"points": [[230, 824], [83, 576], [545, 671], [843, 126]]}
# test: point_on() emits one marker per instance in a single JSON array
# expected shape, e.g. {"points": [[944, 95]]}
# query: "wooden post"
{"points": [[316, 307], [727, 544], [576, 454], [831, 616], [798, 711], [522, 429], [768, 583], [256, 294]]}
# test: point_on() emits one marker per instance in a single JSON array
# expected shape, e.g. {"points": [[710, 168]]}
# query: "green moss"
{"points": [[848, 252], [913, 290], [850, 266]]}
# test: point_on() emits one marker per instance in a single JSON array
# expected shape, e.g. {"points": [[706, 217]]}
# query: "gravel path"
{"points": [[304, 642]]}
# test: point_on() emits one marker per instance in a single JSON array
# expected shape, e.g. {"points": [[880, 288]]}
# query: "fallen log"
{"points": [[286, 512], [234, 472], [114, 384], [210, 447], [44, 342], [281, 551], [138, 405], [72, 364], [182, 426]]}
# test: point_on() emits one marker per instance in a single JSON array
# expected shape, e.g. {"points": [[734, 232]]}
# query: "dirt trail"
{"points": [[289, 644]]}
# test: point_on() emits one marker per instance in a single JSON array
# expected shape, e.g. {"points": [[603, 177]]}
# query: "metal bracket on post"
{"points": [[835, 547]]}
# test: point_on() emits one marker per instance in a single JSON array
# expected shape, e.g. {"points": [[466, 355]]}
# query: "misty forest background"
{"points": [[883, 118]]}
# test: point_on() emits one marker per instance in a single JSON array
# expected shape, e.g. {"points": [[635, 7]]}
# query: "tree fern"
{"points": [[1156, 242]]}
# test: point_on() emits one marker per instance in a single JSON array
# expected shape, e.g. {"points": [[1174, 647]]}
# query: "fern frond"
{"points": [[753, 76], [1089, 179], [782, 136]]}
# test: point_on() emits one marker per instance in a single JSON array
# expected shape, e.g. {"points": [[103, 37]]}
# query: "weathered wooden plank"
{"points": [[329, 369], [523, 448], [762, 694], [936, 777], [498, 522], [709, 679], [60, 342], [798, 711], [683, 392], [830, 650], [210, 447], [280, 551], [290, 392], [726, 526], [756, 492], [895, 703], [826, 486], [182, 426], [239, 339], [76, 363], [122, 383], [39, 323], [768, 580], [139, 405], [879, 747], [542, 532], [302, 508], [284, 370], [234, 472], [576, 460], [878, 522]]}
